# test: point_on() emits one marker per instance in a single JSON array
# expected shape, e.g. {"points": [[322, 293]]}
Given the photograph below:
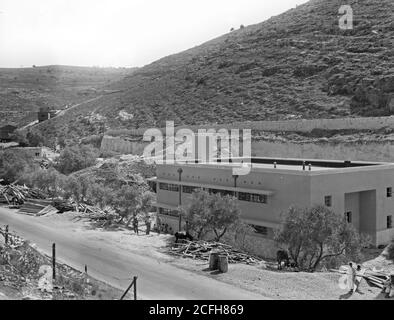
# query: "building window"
{"points": [[167, 212], [348, 216], [260, 230], [251, 197], [188, 189], [389, 192], [168, 187], [163, 186], [328, 201], [389, 222], [222, 192]]}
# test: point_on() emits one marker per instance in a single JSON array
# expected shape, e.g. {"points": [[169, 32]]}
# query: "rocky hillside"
{"points": [[299, 64], [23, 91]]}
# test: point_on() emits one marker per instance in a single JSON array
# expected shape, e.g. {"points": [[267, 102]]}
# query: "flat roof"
{"points": [[289, 164]]}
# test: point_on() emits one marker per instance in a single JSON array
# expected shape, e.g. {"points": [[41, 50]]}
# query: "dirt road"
{"points": [[115, 265]]}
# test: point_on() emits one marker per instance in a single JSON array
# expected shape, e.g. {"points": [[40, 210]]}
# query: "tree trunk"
{"points": [[218, 237], [128, 221]]}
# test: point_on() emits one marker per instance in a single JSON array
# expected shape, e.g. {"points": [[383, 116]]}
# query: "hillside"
{"points": [[295, 65], [24, 90]]}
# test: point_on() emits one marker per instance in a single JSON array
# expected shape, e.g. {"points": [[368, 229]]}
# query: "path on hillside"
{"points": [[62, 112], [115, 265]]}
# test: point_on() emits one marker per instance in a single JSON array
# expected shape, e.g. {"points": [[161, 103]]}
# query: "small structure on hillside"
{"points": [[6, 132], [45, 113]]}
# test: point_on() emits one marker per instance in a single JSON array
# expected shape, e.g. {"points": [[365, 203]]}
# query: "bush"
{"points": [[50, 181], [211, 213], [76, 158], [14, 165], [93, 140], [389, 252], [315, 235]]}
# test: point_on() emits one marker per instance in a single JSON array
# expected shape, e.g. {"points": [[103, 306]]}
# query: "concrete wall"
{"points": [[368, 214], [352, 204], [374, 206]]}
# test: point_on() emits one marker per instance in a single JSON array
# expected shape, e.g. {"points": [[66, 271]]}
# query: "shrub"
{"points": [[389, 252], [313, 235], [14, 165], [76, 158]]}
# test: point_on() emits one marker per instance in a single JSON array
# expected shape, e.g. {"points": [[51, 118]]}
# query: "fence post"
{"points": [[133, 283], [135, 288], [54, 261], [6, 234]]}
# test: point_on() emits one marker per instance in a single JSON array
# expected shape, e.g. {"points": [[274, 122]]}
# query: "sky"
{"points": [[118, 33]]}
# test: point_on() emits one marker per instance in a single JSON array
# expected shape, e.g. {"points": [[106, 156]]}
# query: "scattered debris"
{"points": [[37, 207], [12, 194], [376, 278], [201, 249]]}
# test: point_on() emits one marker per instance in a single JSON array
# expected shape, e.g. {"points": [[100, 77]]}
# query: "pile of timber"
{"points": [[37, 207], [62, 205], [201, 249], [65, 206], [10, 192], [375, 278], [378, 279]]}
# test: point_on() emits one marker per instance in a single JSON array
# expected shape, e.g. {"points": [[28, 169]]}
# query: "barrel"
{"points": [[223, 263], [213, 260]]}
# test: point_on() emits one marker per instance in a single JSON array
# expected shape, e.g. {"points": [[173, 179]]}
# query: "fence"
{"points": [[11, 239]]}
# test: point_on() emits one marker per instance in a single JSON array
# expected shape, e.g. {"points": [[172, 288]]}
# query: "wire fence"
{"points": [[12, 240]]}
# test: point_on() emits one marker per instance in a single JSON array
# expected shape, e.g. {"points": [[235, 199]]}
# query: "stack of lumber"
{"points": [[62, 205], [378, 279], [21, 193], [85, 208], [37, 207], [65, 206], [375, 278], [10, 192], [201, 249], [36, 194]]}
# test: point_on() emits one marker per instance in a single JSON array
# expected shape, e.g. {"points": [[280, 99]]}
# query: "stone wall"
{"points": [[122, 145], [383, 152], [372, 123], [371, 151]]}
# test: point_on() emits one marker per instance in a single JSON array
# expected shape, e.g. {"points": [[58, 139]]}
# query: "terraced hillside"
{"points": [[296, 65]]}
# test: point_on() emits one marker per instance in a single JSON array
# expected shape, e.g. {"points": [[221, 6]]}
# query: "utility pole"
{"points": [[180, 198], [235, 176], [54, 261]]}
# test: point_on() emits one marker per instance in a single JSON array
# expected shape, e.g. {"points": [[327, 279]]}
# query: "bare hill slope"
{"points": [[24, 90], [296, 65]]}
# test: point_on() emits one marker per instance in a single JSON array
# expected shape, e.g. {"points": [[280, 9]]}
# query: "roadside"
{"points": [[26, 274], [115, 257], [255, 279]]}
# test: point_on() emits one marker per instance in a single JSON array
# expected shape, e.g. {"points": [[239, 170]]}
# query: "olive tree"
{"points": [[211, 213], [312, 235]]}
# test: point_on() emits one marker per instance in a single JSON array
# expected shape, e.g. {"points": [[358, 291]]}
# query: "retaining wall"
{"points": [[301, 125], [371, 151]]}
